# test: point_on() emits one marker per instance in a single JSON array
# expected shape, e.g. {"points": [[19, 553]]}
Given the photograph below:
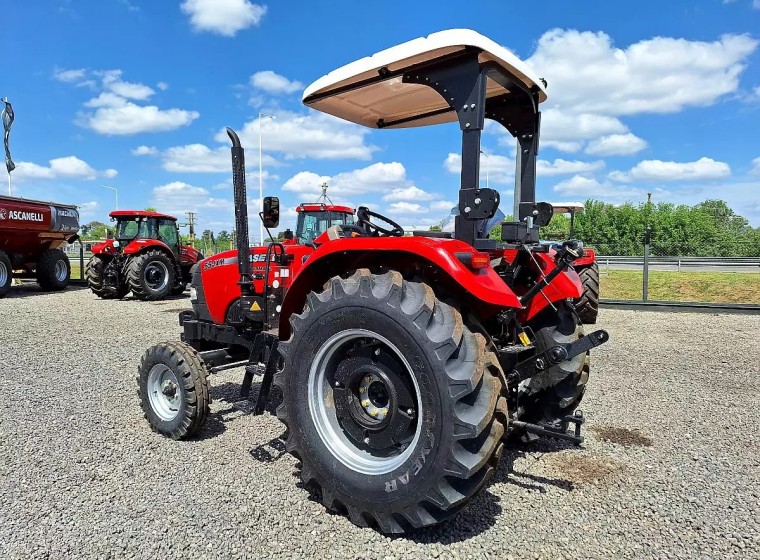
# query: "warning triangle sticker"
{"points": [[255, 306]]}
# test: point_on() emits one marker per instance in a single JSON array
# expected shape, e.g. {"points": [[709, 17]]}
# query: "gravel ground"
{"points": [[669, 470]]}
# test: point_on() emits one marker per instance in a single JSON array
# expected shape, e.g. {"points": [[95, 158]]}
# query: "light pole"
{"points": [[116, 193], [485, 154], [261, 179]]}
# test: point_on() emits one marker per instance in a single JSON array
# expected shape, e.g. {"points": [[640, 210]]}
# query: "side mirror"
{"points": [[271, 213], [543, 214]]}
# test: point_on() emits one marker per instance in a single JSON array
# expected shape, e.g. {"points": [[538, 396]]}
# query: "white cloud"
{"points": [[564, 167], [312, 135], [112, 81], [499, 169], [665, 171], [224, 17], [407, 208], [271, 82], [179, 197], [616, 145], [587, 74], [376, 178], [585, 187], [163, 86], [592, 83], [565, 131], [755, 166], [69, 167], [115, 115], [442, 205], [70, 76], [145, 151], [199, 158], [408, 193], [756, 4], [87, 210]]}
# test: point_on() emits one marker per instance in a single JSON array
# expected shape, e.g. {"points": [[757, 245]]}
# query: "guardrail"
{"points": [[680, 262]]}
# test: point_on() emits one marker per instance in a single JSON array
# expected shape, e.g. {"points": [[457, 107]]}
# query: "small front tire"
{"points": [[173, 389]]}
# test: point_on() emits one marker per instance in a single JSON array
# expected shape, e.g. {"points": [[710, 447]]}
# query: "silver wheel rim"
{"points": [[322, 409], [3, 274], [60, 271], [156, 275], [164, 392]]}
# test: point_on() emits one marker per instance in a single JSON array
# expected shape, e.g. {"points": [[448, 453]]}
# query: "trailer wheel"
{"points": [[391, 403], [150, 275], [94, 270], [53, 270], [587, 306], [557, 391], [6, 274], [173, 389]]}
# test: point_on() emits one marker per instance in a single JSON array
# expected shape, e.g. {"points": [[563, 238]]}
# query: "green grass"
{"points": [[722, 287]]}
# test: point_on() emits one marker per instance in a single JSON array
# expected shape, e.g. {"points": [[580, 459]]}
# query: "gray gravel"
{"points": [[81, 475]]}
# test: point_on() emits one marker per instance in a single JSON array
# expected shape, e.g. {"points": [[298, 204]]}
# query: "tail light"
{"points": [[475, 261]]}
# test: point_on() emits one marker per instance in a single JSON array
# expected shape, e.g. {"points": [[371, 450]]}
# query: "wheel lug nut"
{"points": [[337, 383], [366, 440], [377, 351], [410, 411]]}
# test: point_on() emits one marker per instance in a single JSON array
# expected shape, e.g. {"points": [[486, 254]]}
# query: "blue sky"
{"points": [[660, 97]]}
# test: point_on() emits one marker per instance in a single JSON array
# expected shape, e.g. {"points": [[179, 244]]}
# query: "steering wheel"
{"points": [[363, 215]]}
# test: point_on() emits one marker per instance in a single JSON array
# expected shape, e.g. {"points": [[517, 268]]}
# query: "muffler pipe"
{"points": [[241, 214]]}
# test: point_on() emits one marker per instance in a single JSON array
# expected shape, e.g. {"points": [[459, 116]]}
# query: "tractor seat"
{"points": [[436, 234]]}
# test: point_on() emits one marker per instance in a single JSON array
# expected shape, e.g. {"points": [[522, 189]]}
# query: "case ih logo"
{"points": [[3, 214]]}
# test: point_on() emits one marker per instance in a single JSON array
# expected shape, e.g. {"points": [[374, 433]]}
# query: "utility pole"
{"points": [[191, 228]]}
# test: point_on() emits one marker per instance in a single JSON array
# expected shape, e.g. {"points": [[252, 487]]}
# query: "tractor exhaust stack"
{"points": [[241, 213]]}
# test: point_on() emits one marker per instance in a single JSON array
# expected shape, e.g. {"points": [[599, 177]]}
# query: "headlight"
{"points": [[193, 294], [116, 243]]}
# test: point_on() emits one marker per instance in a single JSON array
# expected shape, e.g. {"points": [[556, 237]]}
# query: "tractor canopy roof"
{"points": [[318, 207], [568, 207], [379, 91], [139, 214]]}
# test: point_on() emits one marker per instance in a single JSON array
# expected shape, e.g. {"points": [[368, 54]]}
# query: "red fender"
{"points": [[483, 285], [140, 245], [588, 258], [565, 285]]}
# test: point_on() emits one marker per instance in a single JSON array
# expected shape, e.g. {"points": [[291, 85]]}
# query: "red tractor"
{"points": [[587, 305], [144, 257], [404, 362]]}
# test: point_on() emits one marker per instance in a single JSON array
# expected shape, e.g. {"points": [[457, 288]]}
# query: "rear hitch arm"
{"points": [[555, 355]]}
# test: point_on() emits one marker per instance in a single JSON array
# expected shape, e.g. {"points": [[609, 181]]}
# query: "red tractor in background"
{"points": [[405, 363], [144, 257], [587, 305]]}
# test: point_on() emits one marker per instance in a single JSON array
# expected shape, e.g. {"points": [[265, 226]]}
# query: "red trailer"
{"points": [[32, 234]]}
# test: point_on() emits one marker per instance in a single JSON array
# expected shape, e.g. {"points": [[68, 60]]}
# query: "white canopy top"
{"points": [[567, 207], [393, 100]]}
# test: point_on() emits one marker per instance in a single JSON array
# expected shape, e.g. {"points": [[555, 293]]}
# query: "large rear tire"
{"points": [[150, 275], [6, 274], [557, 391], [94, 272], [393, 406], [53, 270], [587, 306], [173, 389]]}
